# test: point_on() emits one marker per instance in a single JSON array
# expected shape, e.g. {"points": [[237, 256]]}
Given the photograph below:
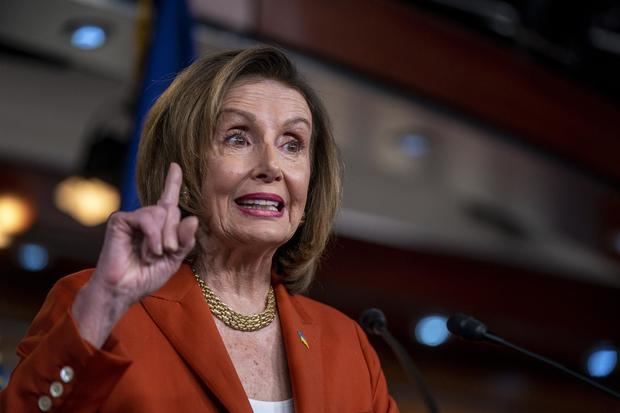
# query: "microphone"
{"points": [[470, 328], [374, 322]]}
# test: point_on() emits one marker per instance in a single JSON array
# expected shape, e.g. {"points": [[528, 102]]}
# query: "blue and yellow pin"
{"points": [[302, 338]]}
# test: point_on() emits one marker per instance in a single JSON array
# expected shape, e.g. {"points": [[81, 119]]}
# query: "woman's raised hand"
{"points": [[143, 248], [141, 251]]}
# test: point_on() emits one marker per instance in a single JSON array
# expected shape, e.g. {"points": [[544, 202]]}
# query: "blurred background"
{"points": [[481, 141]]}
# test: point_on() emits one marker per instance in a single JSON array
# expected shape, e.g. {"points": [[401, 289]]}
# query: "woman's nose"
{"points": [[268, 166]]}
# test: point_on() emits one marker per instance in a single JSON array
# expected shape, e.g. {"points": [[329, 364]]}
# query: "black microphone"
{"points": [[374, 322], [470, 328]]}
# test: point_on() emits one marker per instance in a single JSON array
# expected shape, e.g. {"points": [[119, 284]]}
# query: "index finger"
{"points": [[172, 187]]}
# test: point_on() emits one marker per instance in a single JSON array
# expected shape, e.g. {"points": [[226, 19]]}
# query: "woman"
{"points": [[234, 227]]}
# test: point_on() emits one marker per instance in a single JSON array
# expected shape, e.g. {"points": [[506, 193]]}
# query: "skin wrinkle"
{"points": [[238, 250]]}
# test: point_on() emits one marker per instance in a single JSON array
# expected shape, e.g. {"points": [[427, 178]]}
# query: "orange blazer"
{"points": [[166, 355]]}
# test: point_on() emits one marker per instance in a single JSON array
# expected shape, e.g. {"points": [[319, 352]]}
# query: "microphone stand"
{"points": [[373, 321], [469, 328], [498, 340]]}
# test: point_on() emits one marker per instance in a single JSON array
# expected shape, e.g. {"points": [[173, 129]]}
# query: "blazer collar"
{"points": [[302, 341], [181, 313]]}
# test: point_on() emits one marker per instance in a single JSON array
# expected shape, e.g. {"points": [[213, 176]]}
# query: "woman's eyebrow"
{"points": [[298, 119]]}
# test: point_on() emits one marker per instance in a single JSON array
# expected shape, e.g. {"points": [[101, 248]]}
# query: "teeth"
{"points": [[263, 207], [263, 204]]}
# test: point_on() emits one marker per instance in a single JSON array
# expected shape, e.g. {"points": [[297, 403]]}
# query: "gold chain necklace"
{"points": [[233, 319]]}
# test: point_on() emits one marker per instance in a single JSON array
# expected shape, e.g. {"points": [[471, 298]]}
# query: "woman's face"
{"points": [[258, 169]]}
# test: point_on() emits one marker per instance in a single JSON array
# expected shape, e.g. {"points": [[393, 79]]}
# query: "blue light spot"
{"points": [[414, 145], [88, 37], [33, 257], [431, 330], [602, 361]]}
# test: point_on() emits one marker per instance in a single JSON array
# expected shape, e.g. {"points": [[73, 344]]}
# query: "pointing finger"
{"points": [[172, 187]]}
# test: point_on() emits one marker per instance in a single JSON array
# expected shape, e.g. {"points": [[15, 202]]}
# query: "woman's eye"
{"points": [[237, 140], [293, 146]]}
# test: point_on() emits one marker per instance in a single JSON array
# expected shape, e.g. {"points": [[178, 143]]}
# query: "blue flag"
{"points": [[171, 50]]}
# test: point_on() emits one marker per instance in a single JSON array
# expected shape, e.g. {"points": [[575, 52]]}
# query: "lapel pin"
{"points": [[303, 339]]}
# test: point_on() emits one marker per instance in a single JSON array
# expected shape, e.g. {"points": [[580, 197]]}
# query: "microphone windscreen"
{"points": [[373, 321], [467, 327]]}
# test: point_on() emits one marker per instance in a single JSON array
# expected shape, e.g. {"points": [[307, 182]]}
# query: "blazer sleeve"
{"points": [[382, 402], [59, 370]]}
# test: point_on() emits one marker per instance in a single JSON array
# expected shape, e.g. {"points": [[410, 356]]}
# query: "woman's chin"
{"points": [[262, 236], [267, 240]]}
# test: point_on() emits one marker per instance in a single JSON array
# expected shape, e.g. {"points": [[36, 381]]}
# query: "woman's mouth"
{"points": [[261, 205]]}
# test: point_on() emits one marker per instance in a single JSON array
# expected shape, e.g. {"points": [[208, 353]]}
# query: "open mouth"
{"points": [[261, 202]]}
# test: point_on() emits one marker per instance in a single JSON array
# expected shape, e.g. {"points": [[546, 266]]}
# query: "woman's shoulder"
{"points": [[344, 342], [318, 308], [327, 316]]}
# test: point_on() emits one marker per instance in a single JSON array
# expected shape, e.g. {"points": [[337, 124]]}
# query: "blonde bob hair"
{"points": [[180, 128]]}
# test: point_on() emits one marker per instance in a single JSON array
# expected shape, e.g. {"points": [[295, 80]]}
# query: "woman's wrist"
{"points": [[96, 311]]}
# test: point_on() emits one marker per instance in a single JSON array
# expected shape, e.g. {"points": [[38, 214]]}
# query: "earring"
{"points": [[185, 196]]}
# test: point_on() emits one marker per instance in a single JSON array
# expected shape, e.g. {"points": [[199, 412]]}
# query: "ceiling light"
{"points": [[16, 214], [88, 37], [432, 330], [414, 145], [89, 201]]}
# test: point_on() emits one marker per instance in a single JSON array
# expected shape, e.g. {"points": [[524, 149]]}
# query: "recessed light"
{"points": [[88, 37], [414, 145], [89, 201], [16, 214]]}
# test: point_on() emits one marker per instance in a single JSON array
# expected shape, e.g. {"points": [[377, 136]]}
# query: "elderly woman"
{"points": [[194, 304]]}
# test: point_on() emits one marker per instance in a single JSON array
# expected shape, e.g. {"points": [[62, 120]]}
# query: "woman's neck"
{"points": [[241, 278]]}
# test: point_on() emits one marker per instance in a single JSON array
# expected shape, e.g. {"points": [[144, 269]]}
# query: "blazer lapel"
{"points": [[181, 313], [305, 363]]}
